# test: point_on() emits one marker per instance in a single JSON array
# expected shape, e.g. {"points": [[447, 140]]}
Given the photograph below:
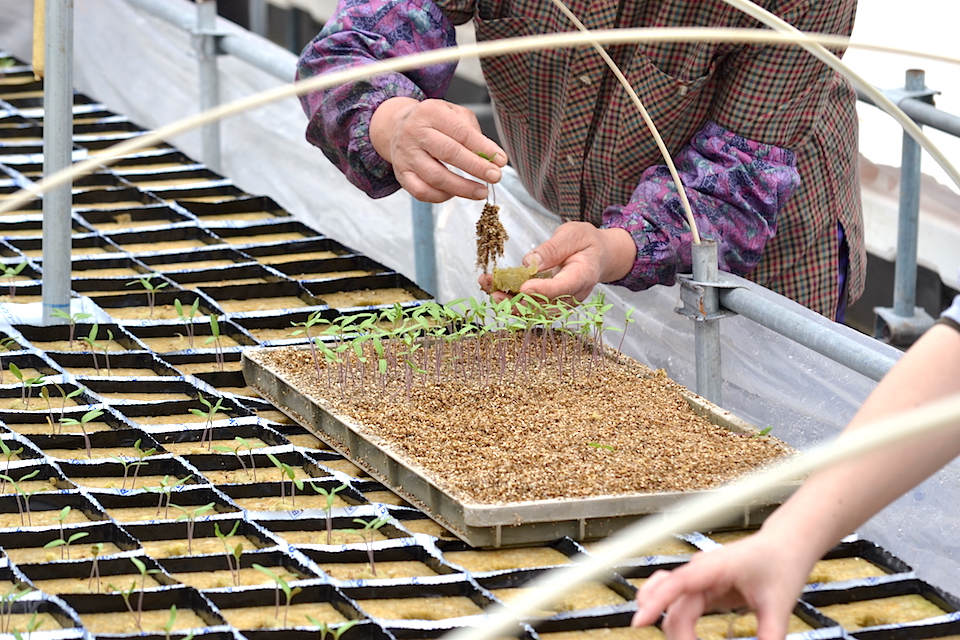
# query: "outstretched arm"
{"points": [[767, 570]]}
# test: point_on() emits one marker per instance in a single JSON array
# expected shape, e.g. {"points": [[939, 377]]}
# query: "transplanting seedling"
{"points": [[281, 585], [369, 526], [233, 554], [214, 337], [334, 630], [26, 385], [6, 606], [191, 515], [65, 544], [211, 411], [23, 507], [150, 288], [95, 551], [286, 471], [187, 318], [72, 319], [93, 414], [11, 272], [330, 495]]}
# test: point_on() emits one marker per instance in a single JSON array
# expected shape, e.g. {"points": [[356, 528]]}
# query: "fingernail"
{"points": [[492, 175], [635, 621], [480, 193], [532, 259]]}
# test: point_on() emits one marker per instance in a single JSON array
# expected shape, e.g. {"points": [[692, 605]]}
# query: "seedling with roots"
{"points": [[86, 418], [191, 515], [72, 320], [208, 415], [330, 496], [333, 630], [11, 273], [281, 585], [233, 553], [150, 288], [187, 317], [287, 471], [65, 544]]}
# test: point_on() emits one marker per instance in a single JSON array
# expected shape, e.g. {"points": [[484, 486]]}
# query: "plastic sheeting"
{"points": [[145, 69]]}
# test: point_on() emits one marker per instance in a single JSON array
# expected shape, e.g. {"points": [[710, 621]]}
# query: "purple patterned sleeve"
{"points": [[364, 32], [736, 188]]}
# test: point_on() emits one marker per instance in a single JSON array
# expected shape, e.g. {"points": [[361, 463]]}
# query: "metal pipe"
{"points": [[206, 45], [258, 16], [707, 326], [905, 274], [424, 247], [57, 151], [925, 113], [824, 340]]}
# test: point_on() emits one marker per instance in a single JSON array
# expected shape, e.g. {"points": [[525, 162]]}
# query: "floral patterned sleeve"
{"points": [[735, 186], [364, 32]]}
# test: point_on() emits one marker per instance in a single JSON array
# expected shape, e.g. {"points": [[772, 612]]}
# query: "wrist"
{"points": [[382, 123], [619, 253]]}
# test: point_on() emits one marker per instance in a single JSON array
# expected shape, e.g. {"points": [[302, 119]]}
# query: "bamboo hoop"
{"points": [[647, 120], [486, 49], [709, 509]]}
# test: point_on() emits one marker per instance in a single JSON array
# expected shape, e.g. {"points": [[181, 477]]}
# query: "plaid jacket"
{"points": [[765, 137]]}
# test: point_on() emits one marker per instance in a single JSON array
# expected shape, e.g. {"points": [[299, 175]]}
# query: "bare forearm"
{"points": [[835, 501]]}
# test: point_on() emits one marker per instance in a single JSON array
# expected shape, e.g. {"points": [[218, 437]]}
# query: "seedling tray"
{"points": [[485, 525]]}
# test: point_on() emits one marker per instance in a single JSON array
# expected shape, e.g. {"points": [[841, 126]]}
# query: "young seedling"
{"points": [[286, 471], [208, 415], [32, 625], [23, 496], [314, 318], [214, 337], [597, 445], [95, 551], [222, 448], [127, 465], [65, 544], [6, 606], [171, 622], [333, 630], [165, 489], [6, 344], [233, 553], [330, 496], [369, 526], [142, 454], [191, 515], [150, 288], [91, 340], [11, 273], [253, 461], [281, 585], [127, 594], [144, 572], [186, 318], [86, 418], [8, 454], [72, 320]]}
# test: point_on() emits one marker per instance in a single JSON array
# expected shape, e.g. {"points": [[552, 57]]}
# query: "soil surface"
{"points": [[611, 428]]}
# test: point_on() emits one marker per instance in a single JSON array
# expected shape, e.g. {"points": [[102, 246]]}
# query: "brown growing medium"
{"points": [[491, 237], [613, 428]]}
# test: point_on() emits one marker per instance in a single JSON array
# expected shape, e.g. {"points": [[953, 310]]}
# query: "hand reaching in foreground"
{"points": [[758, 573], [420, 138], [581, 256]]}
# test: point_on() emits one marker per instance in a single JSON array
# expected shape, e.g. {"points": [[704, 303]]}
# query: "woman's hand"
{"points": [[759, 572], [580, 256], [420, 138]]}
